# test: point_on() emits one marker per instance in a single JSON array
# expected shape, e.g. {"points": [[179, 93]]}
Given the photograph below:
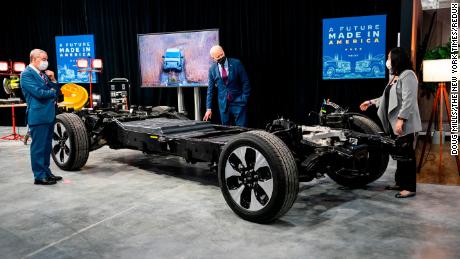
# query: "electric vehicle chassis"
{"points": [[258, 170]]}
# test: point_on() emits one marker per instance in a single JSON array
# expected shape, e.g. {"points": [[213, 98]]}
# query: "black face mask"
{"points": [[222, 60]]}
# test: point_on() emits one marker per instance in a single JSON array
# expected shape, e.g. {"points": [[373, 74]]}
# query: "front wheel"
{"points": [[258, 176], [70, 145]]}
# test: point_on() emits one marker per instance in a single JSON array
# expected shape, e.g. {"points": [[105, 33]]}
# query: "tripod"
{"points": [[14, 135], [440, 93]]}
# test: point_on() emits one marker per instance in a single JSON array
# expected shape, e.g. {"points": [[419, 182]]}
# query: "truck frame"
{"points": [[258, 170]]}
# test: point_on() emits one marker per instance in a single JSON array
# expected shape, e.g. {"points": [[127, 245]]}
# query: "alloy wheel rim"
{"points": [[248, 178], [61, 143]]}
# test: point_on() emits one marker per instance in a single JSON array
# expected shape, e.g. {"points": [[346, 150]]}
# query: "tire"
{"points": [[70, 148], [377, 161], [274, 183]]}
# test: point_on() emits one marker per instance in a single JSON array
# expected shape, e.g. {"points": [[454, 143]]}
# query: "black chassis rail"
{"points": [[193, 146], [203, 143], [291, 134]]}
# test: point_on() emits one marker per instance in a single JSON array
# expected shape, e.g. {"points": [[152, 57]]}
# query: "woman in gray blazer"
{"points": [[399, 113]]}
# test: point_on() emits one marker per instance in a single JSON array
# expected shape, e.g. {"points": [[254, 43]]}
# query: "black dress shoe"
{"points": [[46, 181], [55, 177], [410, 194]]}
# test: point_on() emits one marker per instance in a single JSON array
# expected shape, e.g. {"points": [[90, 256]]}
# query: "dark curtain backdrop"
{"points": [[279, 43]]}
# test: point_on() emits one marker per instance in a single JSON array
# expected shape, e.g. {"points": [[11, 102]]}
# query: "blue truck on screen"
{"points": [[173, 60]]}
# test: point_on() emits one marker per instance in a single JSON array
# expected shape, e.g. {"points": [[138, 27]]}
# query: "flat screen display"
{"points": [[177, 59], [354, 47]]}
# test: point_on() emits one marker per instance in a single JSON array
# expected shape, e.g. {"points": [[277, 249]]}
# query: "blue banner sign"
{"points": [[68, 50], [354, 47]]}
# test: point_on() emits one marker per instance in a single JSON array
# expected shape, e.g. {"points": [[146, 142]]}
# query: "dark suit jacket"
{"points": [[238, 85], [39, 97]]}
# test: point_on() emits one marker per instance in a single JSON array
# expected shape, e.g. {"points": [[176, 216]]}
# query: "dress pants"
{"points": [[235, 113], [406, 174], [40, 149]]}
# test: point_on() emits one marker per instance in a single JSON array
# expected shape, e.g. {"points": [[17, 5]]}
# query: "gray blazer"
{"points": [[403, 103]]}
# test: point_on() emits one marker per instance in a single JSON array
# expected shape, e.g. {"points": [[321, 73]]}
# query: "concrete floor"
{"points": [[126, 205]]}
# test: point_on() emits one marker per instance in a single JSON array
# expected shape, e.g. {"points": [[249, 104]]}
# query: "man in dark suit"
{"points": [[40, 89], [233, 88]]}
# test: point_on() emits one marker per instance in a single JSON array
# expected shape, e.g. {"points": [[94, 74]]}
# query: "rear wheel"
{"points": [[376, 163], [70, 146], [258, 176]]}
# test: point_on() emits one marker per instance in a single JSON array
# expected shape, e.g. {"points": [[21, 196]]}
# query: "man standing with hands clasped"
{"points": [[40, 90], [233, 88]]}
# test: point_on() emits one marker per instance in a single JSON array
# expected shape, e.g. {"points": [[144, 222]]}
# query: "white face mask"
{"points": [[43, 65], [388, 64]]}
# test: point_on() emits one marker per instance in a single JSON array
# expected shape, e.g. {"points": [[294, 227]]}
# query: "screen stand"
{"points": [[180, 100], [197, 99]]}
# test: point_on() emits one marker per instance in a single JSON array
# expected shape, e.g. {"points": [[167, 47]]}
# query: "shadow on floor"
{"points": [[171, 166], [315, 199]]}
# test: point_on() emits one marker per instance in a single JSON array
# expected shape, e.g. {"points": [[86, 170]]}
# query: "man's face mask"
{"points": [[221, 60], [43, 65]]}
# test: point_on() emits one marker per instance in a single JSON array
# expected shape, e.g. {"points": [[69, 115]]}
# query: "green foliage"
{"points": [[438, 52]]}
